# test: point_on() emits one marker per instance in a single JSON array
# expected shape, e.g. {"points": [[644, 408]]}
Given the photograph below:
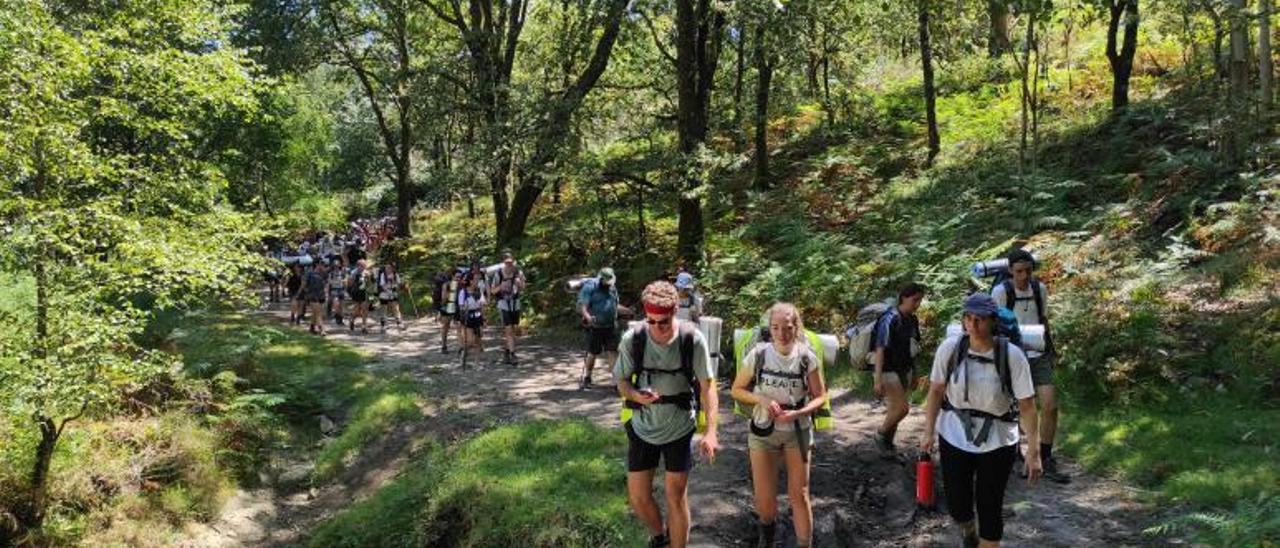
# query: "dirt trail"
{"points": [[860, 497]]}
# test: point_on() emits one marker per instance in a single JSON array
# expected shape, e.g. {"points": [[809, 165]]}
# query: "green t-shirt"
{"points": [[664, 423]]}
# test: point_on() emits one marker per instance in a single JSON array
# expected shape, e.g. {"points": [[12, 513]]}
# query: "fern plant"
{"points": [[1252, 523]]}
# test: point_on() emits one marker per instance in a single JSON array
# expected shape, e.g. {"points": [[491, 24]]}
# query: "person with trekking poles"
{"points": [[510, 284], [1027, 297], [598, 304], [896, 343], [359, 284], [667, 380], [445, 297], [471, 302], [976, 379], [781, 381], [315, 288], [389, 287]]}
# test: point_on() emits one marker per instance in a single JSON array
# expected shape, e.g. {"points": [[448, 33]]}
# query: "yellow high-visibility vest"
{"points": [[822, 419]]}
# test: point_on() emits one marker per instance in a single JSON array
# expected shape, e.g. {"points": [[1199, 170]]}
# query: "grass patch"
{"points": [[1204, 451], [539, 483]]}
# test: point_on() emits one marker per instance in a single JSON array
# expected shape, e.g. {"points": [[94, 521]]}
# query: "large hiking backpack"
{"points": [[822, 418], [1000, 361], [692, 399], [1007, 326], [862, 334]]}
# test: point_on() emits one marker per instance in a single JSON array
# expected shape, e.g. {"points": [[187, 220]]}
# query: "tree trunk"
{"points": [[930, 92], [1266, 72], [998, 28], [32, 517], [698, 32], [764, 79], [1027, 99], [740, 51], [1239, 71], [1120, 56]]}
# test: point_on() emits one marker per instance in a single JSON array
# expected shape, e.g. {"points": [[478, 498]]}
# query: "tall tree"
{"points": [[699, 31], [1266, 73], [372, 40], [490, 33], [930, 91], [998, 42], [765, 60], [1121, 48]]}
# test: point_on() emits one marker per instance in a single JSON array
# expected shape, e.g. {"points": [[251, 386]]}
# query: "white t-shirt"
{"points": [[511, 302], [469, 300], [1025, 306], [786, 387], [389, 285], [985, 394], [689, 308]]}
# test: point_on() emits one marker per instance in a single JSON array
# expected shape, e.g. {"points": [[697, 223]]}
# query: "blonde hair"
{"points": [[661, 294], [791, 311]]}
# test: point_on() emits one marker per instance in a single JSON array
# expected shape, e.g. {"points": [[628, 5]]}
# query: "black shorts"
{"points": [[474, 322], [510, 318], [388, 301], [602, 339], [643, 456], [316, 300], [359, 296]]}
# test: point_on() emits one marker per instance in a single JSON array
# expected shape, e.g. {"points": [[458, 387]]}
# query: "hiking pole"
{"points": [[412, 302]]}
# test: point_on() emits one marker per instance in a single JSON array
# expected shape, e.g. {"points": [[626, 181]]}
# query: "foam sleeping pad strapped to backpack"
{"points": [[689, 400], [1032, 335], [822, 347]]}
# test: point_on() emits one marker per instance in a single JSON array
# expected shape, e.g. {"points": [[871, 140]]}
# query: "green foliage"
{"points": [[542, 483], [1253, 522]]}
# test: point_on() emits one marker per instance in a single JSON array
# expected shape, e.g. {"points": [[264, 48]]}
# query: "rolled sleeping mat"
{"points": [[711, 327], [573, 285], [986, 269], [1032, 335]]}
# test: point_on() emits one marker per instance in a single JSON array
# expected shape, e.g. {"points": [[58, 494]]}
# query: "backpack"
{"points": [[1012, 298], [1001, 361], [685, 340], [822, 417], [758, 358], [512, 298], [1007, 326], [862, 334], [968, 416]]}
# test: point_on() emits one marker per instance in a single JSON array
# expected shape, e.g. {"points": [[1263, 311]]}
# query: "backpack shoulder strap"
{"points": [[686, 353], [1039, 298], [1002, 364], [958, 353], [757, 363], [1010, 295], [639, 340]]}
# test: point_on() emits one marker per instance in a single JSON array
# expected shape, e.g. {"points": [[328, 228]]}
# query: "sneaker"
{"points": [[969, 541], [885, 444], [383, 321], [1052, 473], [444, 349], [511, 358], [585, 383]]}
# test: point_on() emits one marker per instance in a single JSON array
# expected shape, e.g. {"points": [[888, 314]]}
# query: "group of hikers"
{"points": [[983, 386], [983, 389]]}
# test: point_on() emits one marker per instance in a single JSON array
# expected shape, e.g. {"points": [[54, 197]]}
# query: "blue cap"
{"points": [[684, 280], [980, 304]]}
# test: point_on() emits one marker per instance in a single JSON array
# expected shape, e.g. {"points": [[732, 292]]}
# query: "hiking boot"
{"points": [[969, 541], [511, 358], [383, 321], [585, 383], [444, 349], [765, 534], [659, 541], [1052, 473], [885, 444]]}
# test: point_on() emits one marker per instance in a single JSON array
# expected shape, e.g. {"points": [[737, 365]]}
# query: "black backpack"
{"points": [[1012, 298], [685, 340]]}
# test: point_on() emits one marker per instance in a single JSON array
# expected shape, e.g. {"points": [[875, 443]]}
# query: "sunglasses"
{"points": [[664, 321]]}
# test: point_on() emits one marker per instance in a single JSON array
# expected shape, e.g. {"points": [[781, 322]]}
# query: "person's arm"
{"points": [[932, 406], [741, 390], [1028, 419], [817, 393]]}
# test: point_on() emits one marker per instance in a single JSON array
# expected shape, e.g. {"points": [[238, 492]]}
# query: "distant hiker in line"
{"points": [[471, 301], [598, 303], [897, 339], [359, 283], [337, 288], [389, 286], [690, 308], [293, 286], [445, 297], [976, 378], [510, 285], [782, 382], [315, 286], [1030, 303], [666, 377], [271, 274]]}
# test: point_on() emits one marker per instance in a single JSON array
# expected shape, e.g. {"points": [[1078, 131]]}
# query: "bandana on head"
{"points": [[658, 310]]}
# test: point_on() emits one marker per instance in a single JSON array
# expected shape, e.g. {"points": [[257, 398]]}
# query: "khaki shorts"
{"points": [[781, 440], [1042, 370]]}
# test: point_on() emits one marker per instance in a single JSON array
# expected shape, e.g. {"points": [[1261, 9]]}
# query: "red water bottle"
{"points": [[924, 481]]}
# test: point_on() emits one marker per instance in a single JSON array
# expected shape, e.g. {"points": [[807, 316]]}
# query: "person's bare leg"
{"points": [[798, 492], [445, 323], [896, 407], [640, 494], [1048, 404], [764, 482], [677, 486]]}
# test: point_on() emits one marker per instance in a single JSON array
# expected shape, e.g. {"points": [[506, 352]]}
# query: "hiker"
{"points": [[315, 286], [444, 295], [598, 303], [471, 301], [293, 286], [271, 275], [896, 343], [667, 378], [510, 285], [1029, 303], [976, 378], [782, 381], [690, 307], [389, 286], [358, 285], [337, 289]]}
